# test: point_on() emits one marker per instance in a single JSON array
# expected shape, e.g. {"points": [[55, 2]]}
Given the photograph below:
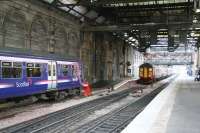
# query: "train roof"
{"points": [[146, 65], [31, 56]]}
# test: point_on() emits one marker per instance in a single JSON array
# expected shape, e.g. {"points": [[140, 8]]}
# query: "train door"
{"points": [[52, 75]]}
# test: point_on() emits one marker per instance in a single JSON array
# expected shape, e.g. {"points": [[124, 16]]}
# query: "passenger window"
{"points": [[49, 70], [11, 70], [33, 70], [74, 71], [37, 65], [54, 70], [65, 70]]}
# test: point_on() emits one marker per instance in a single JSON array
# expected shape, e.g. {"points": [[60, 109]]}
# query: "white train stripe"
{"points": [[18, 59], [42, 82], [5, 86], [63, 81], [34, 60], [50, 81], [67, 63]]}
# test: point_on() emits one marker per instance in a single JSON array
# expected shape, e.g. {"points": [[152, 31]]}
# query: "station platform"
{"points": [[175, 110]]}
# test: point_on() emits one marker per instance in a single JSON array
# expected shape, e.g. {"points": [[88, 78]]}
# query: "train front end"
{"points": [[146, 73]]}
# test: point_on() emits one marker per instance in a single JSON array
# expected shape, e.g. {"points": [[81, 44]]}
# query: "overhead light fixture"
{"points": [[195, 20], [132, 44], [93, 1], [130, 38], [197, 10], [125, 34], [134, 30], [192, 34], [133, 39]]}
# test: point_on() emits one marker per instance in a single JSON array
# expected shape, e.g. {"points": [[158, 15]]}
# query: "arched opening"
{"points": [[14, 30], [61, 46], [39, 40]]}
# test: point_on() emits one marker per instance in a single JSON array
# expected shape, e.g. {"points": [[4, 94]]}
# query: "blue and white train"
{"points": [[22, 75]]}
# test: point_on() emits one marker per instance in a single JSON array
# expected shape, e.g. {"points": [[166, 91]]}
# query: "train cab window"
{"points": [[141, 72], [33, 70], [150, 72], [11, 70], [65, 70]]}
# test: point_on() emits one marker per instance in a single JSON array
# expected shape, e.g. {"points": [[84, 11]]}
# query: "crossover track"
{"points": [[68, 115], [117, 120], [61, 121]]}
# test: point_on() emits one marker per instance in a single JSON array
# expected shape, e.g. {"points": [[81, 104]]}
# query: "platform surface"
{"points": [[175, 110]]}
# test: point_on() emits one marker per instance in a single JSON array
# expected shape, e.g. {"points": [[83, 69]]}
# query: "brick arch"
{"points": [[14, 29], [2, 18], [61, 44], [73, 42], [73, 36], [39, 34]]}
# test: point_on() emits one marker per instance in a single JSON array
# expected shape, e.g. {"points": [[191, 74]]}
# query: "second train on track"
{"points": [[149, 73]]}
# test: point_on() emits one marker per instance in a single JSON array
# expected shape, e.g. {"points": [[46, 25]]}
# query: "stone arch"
{"points": [[73, 43], [39, 34], [14, 29], [61, 45], [2, 18]]}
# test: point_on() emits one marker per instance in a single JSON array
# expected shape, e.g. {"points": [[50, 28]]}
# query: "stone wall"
{"points": [[36, 27], [33, 27], [103, 56]]}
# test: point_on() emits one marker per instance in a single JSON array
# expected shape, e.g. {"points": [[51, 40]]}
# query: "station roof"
{"points": [[121, 11], [162, 24]]}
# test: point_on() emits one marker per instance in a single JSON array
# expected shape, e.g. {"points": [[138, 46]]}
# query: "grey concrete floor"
{"points": [[175, 110], [185, 115]]}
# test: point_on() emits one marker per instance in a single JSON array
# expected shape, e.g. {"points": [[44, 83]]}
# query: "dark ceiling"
{"points": [[141, 20]]}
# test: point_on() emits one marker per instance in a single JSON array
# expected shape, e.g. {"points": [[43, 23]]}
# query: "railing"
{"points": [[170, 62]]}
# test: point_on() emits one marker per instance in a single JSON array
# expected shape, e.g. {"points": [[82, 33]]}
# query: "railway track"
{"points": [[117, 120], [69, 115], [60, 121]]}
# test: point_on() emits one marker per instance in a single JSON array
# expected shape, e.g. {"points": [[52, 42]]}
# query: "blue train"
{"points": [[22, 75]]}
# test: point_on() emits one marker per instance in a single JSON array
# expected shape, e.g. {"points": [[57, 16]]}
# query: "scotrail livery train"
{"points": [[29, 75], [149, 73]]}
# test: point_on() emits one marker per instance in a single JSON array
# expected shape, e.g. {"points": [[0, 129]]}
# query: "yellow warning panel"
{"points": [[141, 72], [145, 72]]}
